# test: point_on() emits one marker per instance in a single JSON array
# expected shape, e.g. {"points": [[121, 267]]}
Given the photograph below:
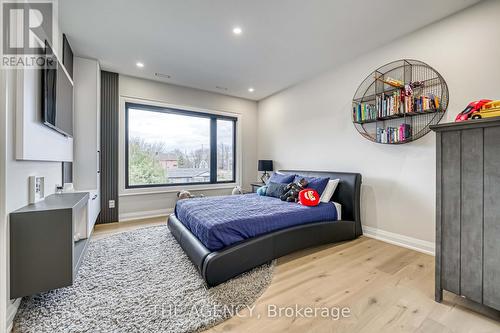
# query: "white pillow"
{"points": [[327, 194], [339, 210]]}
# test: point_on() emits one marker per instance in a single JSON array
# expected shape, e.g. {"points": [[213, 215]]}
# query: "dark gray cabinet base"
{"points": [[468, 210], [43, 253]]}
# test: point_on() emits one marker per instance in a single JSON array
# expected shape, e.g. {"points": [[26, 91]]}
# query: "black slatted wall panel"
{"points": [[109, 146]]}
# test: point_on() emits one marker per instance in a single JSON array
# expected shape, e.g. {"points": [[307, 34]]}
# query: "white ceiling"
{"points": [[283, 41]]}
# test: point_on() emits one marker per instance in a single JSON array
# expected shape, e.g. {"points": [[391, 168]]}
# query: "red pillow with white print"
{"points": [[309, 197]]}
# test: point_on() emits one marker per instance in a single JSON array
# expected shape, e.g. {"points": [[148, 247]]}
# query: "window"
{"points": [[167, 147], [225, 150]]}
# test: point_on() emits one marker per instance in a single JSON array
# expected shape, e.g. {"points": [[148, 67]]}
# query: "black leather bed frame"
{"points": [[219, 266]]}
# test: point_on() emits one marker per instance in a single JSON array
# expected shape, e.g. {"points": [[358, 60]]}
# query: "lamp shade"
{"points": [[265, 165]]}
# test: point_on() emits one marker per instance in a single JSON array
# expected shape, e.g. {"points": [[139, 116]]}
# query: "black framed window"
{"points": [[167, 147]]}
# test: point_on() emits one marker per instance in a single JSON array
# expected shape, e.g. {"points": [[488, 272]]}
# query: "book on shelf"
{"points": [[396, 103], [393, 134], [404, 104], [388, 105], [364, 112]]}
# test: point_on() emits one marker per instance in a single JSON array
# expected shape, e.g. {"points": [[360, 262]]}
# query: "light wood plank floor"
{"points": [[387, 289]]}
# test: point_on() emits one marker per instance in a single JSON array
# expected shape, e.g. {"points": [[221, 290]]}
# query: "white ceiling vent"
{"points": [[162, 76]]}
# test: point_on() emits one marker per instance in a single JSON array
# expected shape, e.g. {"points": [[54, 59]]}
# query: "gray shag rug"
{"points": [[139, 281]]}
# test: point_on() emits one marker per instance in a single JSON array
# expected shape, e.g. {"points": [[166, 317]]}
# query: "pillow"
{"points": [[281, 178], [275, 189], [339, 210], [262, 190], [308, 197], [316, 183], [329, 190]]}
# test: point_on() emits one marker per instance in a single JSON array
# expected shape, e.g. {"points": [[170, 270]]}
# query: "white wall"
{"points": [[309, 126], [131, 206]]}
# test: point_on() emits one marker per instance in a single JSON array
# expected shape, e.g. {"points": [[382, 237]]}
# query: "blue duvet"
{"points": [[222, 221]]}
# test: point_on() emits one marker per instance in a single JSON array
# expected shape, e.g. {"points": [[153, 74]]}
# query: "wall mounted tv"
{"points": [[57, 95]]}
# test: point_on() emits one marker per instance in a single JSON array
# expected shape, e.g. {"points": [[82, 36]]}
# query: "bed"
{"points": [[227, 236]]}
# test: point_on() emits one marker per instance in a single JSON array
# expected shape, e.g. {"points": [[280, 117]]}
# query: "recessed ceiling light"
{"points": [[139, 64], [237, 31], [251, 89]]}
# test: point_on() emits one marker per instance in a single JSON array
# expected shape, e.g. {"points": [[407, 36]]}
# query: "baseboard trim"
{"points": [[145, 214], [11, 313], [400, 240]]}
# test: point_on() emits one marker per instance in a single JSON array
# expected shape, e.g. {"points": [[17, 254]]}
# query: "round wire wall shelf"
{"points": [[398, 102]]}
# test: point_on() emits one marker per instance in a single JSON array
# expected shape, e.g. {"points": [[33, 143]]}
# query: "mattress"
{"points": [[222, 221]]}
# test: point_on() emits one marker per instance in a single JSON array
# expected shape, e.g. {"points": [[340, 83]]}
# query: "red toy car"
{"points": [[470, 109]]}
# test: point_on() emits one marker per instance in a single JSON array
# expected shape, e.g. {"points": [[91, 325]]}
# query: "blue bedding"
{"points": [[222, 221]]}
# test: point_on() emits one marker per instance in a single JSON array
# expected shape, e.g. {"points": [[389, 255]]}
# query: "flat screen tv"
{"points": [[57, 95]]}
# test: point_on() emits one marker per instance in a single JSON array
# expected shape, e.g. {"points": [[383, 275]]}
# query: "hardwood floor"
{"points": [[103, 230], [386, 288]]}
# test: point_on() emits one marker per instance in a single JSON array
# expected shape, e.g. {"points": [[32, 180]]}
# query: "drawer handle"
{"points": [[94, 197]]}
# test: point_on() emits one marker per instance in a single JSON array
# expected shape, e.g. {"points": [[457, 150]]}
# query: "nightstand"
{"points": [[255, 186]]}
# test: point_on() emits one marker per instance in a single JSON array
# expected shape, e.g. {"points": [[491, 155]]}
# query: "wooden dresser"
{"points": [[468, 210]]}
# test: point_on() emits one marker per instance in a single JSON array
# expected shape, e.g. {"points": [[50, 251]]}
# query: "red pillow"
{"points": [[309, 197]]}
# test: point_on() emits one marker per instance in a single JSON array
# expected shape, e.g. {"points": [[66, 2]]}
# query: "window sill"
{"points": [[174, 189]]}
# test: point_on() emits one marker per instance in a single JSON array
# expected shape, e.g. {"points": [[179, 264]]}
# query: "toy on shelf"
{"points": [[392, 82], [473, 107], [488, 110]]}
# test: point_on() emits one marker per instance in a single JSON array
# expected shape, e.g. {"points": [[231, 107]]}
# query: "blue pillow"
{"points": [[262, 190], [281, 178], [275, 189], [316, 183]]}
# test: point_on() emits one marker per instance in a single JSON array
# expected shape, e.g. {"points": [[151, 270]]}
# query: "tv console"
{"points": [[45, 252]]}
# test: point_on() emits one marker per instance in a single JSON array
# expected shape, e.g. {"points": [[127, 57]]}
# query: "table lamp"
{"points": [[265, 165]]}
